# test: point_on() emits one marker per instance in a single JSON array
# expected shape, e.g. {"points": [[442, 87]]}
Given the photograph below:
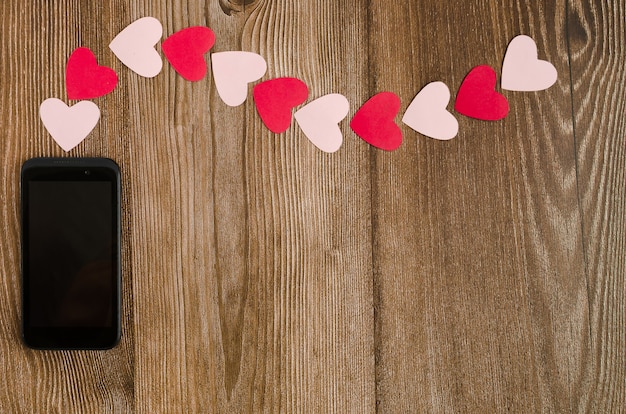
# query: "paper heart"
{"points": [[134, 46], [522, 70], [477, 97], [85, 79], [185, 50], [233, 71], [318, 120], [374, 121], [427, 114], [275, 98], [68, 126]]}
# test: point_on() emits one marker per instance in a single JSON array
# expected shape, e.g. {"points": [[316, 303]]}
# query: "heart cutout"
{"points": [[427, 113], [523, 71], [85, 79], [134, 46], [319, 121], [374, 121], [68, 125], [477, 97], [275, 99], [185, 51], [233, 71]]}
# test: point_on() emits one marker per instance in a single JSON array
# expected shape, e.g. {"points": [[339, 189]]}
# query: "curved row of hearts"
{"points": [[275, 99]]}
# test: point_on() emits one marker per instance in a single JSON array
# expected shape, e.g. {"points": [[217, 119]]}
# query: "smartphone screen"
{"points": [[71, 253]]}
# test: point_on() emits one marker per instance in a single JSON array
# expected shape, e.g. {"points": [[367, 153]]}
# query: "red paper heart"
{"points": [[185, 50], [85, 79], [477, 97], [375, 122], [275, 98]]}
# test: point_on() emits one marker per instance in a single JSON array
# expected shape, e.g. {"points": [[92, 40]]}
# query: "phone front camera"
{"points": [[87, 172]]}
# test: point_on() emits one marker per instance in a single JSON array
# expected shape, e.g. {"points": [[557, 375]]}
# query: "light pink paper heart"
{"points": [[233, 71], [319, 121], [427, 114], [68, 126], [134, 46], [523, 71]]}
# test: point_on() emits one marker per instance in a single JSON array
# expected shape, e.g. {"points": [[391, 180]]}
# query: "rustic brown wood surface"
{"points": [[482, 274]]}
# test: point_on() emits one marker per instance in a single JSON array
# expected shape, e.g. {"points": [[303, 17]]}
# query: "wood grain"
{"points": [[257, 291], [483, 274], [481, 302], [37, 40], [597, 51]]}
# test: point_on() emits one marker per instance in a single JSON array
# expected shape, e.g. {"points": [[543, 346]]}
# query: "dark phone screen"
{"points": [[71, 253]]}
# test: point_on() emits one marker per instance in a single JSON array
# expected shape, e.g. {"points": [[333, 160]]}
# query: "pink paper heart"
{"points": [[318, 120], [428, 113], [68, 126], [523, 71], [134, 46], [233, 71]]}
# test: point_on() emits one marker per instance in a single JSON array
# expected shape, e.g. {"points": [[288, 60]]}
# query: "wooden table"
{"points": [[482, 274]]}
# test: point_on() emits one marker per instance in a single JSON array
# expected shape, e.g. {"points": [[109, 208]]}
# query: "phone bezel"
{"points": [[71, 169]]}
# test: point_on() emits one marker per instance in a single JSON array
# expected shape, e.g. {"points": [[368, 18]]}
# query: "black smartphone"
{"points": [[71, 271]]}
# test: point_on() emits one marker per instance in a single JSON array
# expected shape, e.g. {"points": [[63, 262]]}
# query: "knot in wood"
{"points": [[234, 6]]}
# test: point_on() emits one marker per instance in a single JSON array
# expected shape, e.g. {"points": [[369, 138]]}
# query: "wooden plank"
{"points": [[173, 248], [597, 39], [310, 289], [37, 39], [251, 257], [480, 295]]}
